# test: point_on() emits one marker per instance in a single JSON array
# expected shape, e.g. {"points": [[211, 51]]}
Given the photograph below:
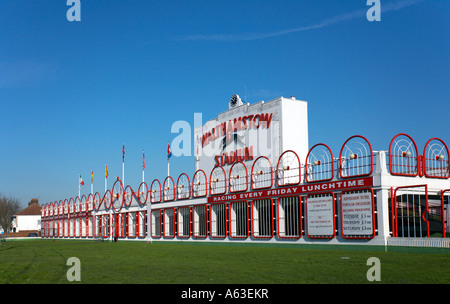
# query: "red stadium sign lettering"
{"points": [[229, 158], [227, 129]]}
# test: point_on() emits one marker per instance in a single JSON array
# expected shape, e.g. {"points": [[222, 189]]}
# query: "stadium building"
{"points": [[257, 180]]}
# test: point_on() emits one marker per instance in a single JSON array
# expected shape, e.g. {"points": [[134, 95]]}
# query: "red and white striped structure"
{"points": [[353, 196]]}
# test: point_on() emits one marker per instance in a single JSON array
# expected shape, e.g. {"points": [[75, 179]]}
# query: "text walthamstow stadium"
{"points": [[257, 179]]}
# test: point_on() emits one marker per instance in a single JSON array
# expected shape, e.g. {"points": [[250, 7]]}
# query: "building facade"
{"points": [[28, 220], [257, 180]]}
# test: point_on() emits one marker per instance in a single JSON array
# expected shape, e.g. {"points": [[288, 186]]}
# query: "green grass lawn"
{"points": [[44, 262]]}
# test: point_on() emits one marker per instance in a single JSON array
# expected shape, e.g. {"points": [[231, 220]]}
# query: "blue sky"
{"points": [[71, 92]]}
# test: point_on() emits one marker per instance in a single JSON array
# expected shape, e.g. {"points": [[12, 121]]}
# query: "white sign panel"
{"points": [[320, 216], [357, 214], [238, 136], [245, 132]]}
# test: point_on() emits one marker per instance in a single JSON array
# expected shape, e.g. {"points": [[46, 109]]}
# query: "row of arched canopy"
{"points": [[355, 160]]}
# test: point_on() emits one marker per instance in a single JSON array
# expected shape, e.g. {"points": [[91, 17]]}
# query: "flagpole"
{"points": [[168, 172], [123, 163], [143, 165], [92, 182], [196, 155], [79, 185], [106, 177], [169, 154]]}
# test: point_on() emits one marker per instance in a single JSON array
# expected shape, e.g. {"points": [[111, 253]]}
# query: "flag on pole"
{"points": [[81, 181], [123, 151], [92, 181], [143, 160], [106, 177], [169, 152], [123, 162]]}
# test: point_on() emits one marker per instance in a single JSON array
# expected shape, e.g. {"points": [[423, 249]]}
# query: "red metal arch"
{"points": [[261, 175], [436, 159], [356, 157], [117, 196], [83, 203], [143, 193], [71, 205], [168, 189], [61, 207], [319, 164], [238, 177], [403, 156], [55, 208], [218, 181], [183, 186], [106, 201], [288, 169], [77, 204], [129, 195], [66, 206], [90, 202], [97, 201], [155, 191], [199, 184]]}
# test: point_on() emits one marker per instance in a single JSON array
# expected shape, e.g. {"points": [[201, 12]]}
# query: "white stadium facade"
{"points": [[257, 180]]}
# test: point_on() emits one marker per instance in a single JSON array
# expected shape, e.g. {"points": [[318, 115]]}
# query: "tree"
{"points": [[8, 207]]}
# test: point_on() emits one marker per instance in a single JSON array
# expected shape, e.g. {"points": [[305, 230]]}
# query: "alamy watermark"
{"points": [[74, 272], [374, 12], [74, 12], [374, 272]]}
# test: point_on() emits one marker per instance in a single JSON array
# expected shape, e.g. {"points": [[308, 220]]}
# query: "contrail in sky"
{"points": [[361, 13]]}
